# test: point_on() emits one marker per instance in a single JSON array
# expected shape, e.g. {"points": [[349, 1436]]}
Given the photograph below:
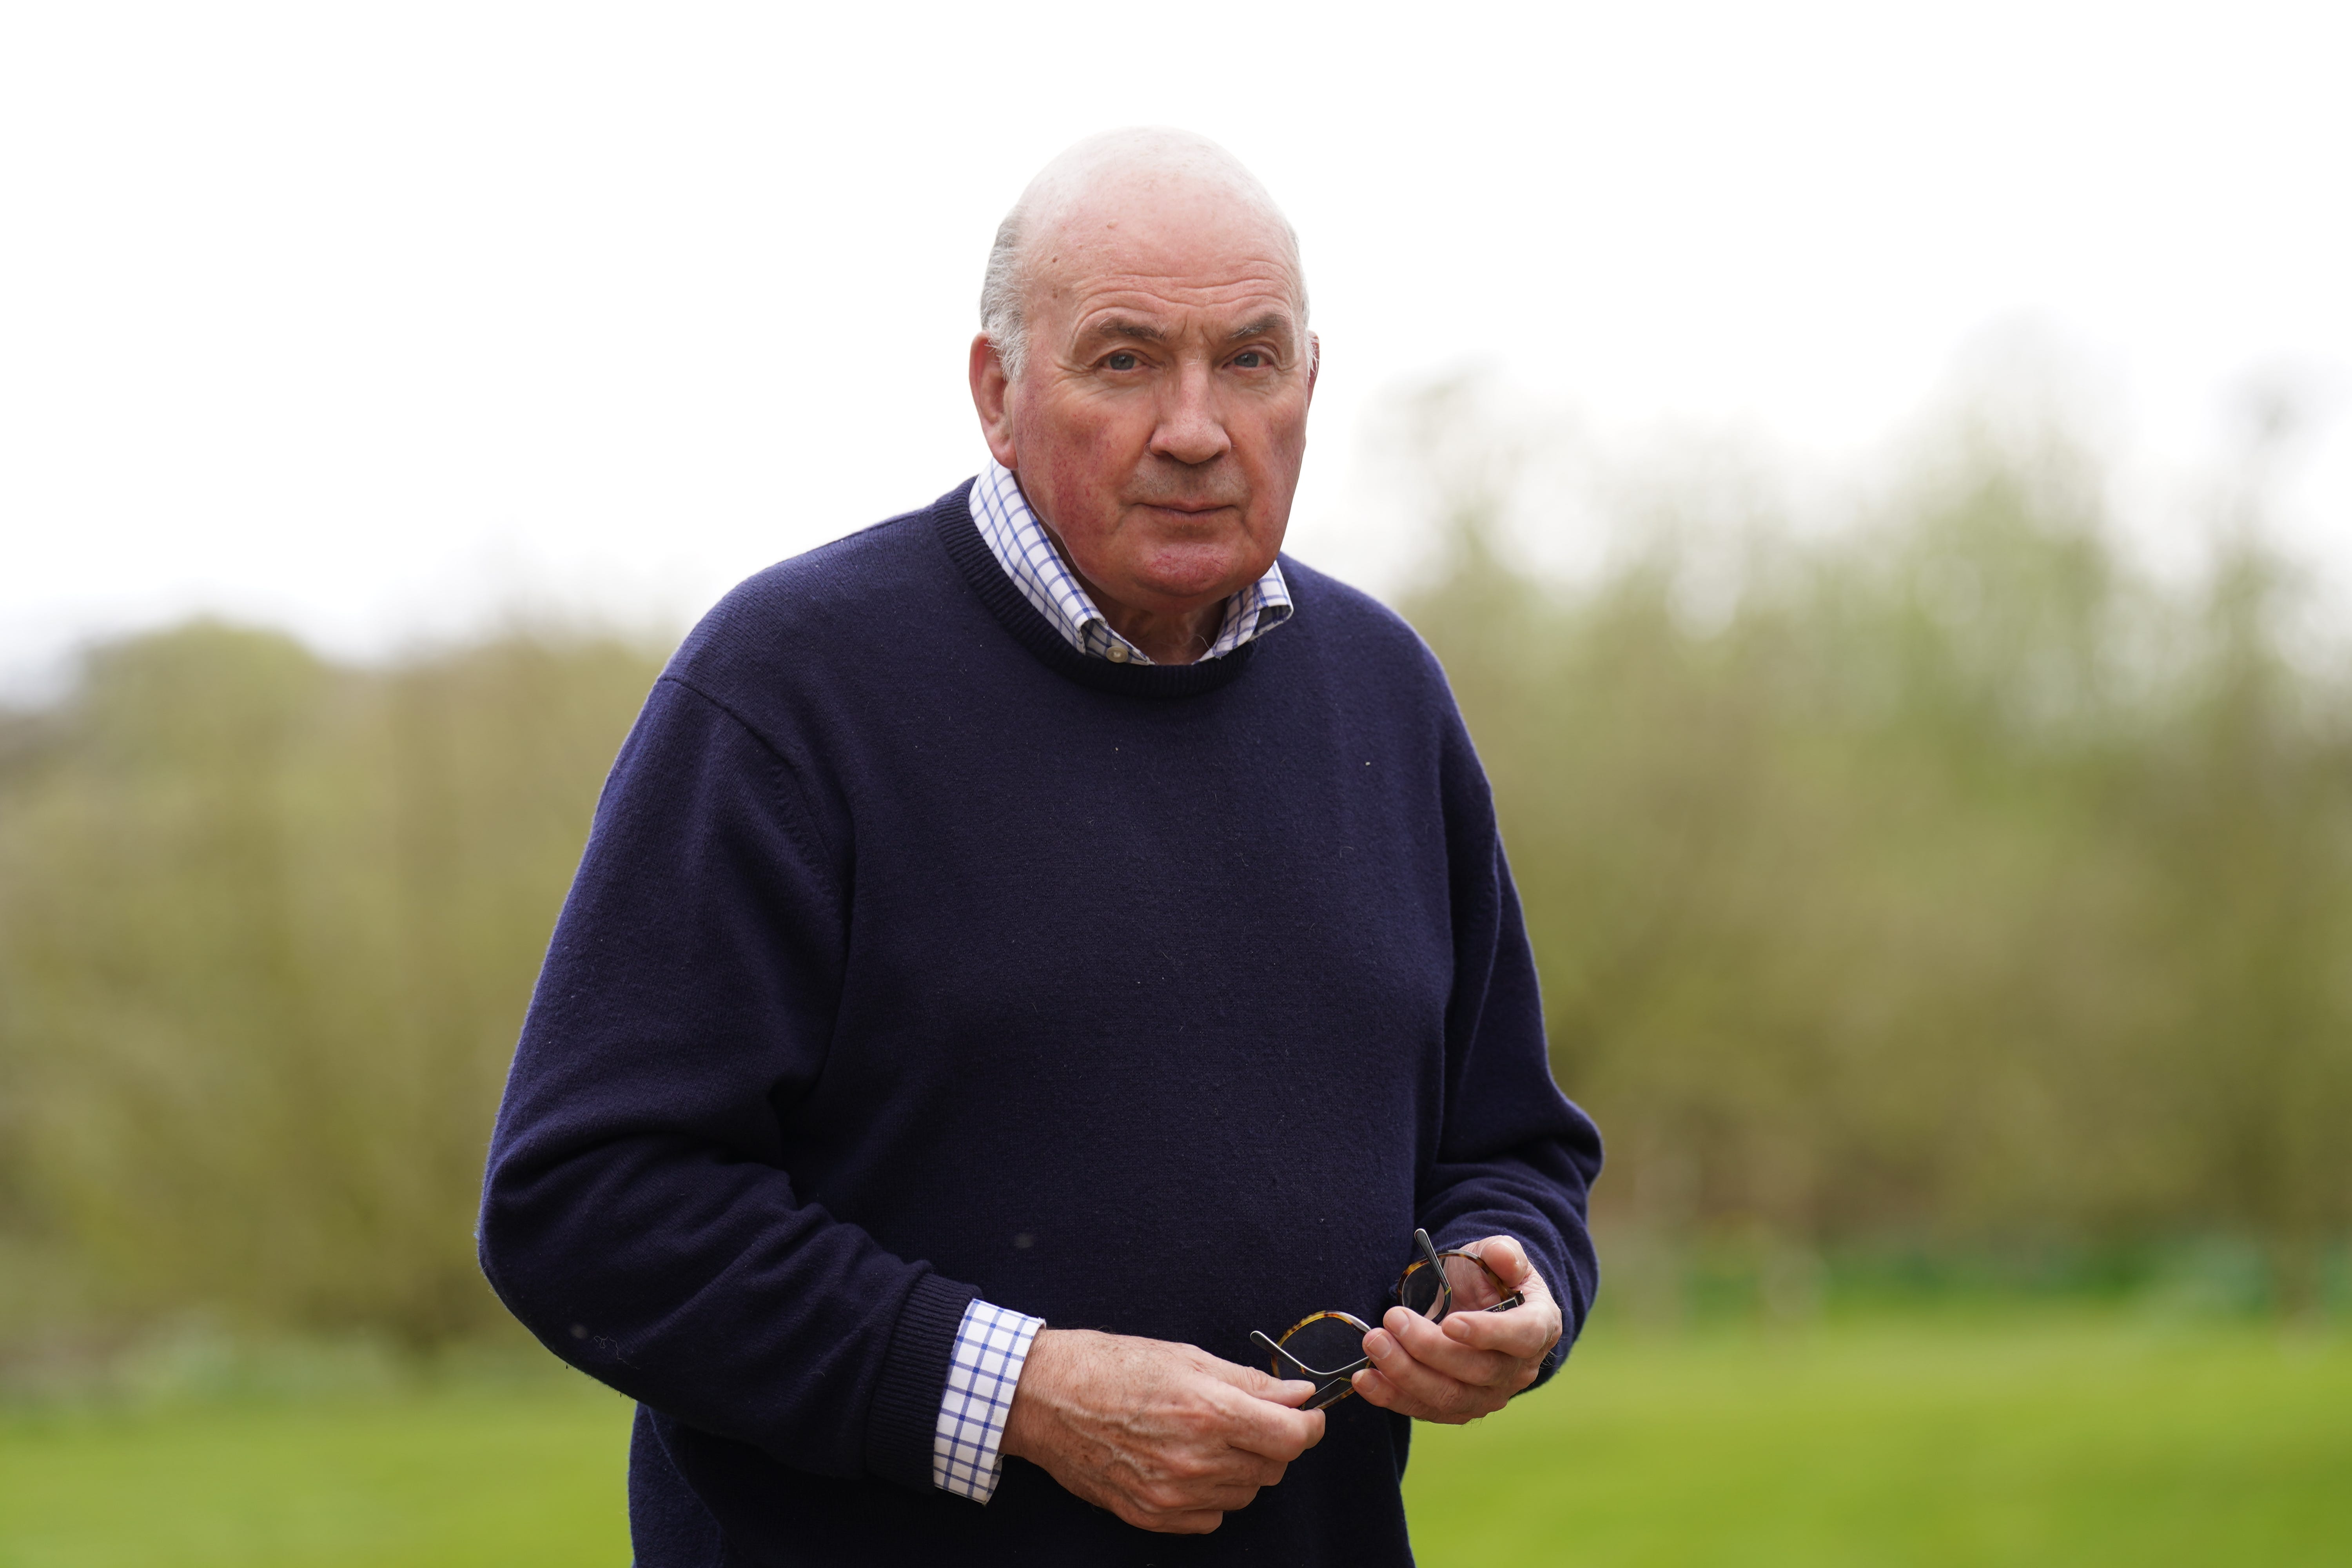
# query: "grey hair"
{"points": [[1001, 316]]}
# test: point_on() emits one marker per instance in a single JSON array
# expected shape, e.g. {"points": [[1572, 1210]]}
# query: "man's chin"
{"points": [[1183, 585]]}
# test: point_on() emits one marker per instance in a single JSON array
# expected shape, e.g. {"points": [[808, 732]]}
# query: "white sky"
{"points": [[362, 319]]}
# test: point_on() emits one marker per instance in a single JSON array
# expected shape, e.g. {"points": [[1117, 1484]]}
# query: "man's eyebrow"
{"points": [[1126, 327], [1264, 327]]}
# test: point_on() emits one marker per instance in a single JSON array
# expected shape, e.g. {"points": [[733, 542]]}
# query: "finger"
{"points": [[1474, 1288], [1429, 1344], [1267, 1420], [1426, 1390], [1511, 1264], [1533, 1327], [1284, 1438], [1239, 1494], [1294, 1391], [1522, 1333], [1200, 1496], [1272, 1431], [1229, 1484], [1217, 1482], [1199, 1521], [1225, 1469], [1508, 1259], [1374, 1387], [1291, 1395], [1258, 1471], [1260, 1425]]}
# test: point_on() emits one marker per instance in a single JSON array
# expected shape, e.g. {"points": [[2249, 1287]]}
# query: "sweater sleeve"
{"points": [[638, 1214], [1515, 1156]]}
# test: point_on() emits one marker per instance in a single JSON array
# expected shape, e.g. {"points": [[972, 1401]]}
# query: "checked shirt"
{"points": [[1028, 554], [991, 1343]]}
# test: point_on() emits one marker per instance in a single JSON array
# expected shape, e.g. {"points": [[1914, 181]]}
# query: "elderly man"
{"points": [[1025, 947]]}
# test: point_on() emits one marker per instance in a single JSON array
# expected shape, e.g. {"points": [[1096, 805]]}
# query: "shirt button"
{"points": [[1117, 653]]}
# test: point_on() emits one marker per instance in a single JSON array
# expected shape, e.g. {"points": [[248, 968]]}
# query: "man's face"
{"points": [[1159, 424]]}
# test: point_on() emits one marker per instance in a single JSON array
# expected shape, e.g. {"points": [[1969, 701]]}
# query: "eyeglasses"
{"points": [[1422, 1288]]}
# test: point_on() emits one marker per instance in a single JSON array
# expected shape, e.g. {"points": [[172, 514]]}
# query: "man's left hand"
{"points": [[1470, 1364]]}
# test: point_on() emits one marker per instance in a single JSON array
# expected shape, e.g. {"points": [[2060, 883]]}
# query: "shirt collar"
{"points": [[1018, 540]]}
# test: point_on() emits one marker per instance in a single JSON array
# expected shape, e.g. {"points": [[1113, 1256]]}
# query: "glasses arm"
{"points": [[1330, 1387], [1437, 1272], [1311, 1374]]}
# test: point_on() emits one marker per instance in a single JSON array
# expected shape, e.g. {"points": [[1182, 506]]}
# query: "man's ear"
{"points": [[1314, 363], [991, 396]]}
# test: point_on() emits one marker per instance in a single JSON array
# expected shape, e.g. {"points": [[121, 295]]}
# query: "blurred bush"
{"points": [[1941, 884], [1941, 879], [267, 927]]}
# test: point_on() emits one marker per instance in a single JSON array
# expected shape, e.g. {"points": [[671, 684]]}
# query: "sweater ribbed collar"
{"points": [[952, 516]]}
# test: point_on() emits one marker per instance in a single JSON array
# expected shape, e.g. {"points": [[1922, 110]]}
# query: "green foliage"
{"points": [[266, 931], [1939, 883], [1949, 881]]}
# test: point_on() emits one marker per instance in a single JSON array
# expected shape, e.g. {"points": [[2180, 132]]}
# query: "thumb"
{"points": [[1508, 1259], [1293, 1392]]}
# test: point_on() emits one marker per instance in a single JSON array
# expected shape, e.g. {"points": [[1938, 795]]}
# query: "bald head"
{"points": [[1144, 369], [1113, 189]]}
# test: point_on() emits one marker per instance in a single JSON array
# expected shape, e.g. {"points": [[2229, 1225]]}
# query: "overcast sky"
{"points": [[361, 320]]}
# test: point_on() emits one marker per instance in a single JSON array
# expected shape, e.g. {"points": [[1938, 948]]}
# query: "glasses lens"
{"points": [[1327, 1343], [1419, 1289]]}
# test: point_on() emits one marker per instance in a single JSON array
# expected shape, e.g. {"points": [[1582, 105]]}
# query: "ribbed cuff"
{"points": [[906, 1408]]}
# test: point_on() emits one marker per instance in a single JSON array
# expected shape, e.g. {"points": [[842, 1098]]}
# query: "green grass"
{"points": [[450, 1478], [2041, 1441], [2049, 1440]]}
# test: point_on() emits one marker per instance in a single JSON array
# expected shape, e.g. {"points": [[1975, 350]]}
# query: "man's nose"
{"points": [[1192, 428]]}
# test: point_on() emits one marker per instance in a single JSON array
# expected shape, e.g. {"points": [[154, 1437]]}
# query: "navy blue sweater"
{"points": [[914, 956]]}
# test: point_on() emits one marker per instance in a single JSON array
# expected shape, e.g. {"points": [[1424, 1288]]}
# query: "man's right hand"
{"points": [[1165, 1435]]}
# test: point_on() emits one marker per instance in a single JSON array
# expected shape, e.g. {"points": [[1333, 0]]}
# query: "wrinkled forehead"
{"points": [[1189, 248]]}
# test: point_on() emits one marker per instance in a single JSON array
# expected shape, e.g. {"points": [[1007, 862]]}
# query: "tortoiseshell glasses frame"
{"points": [[1336, 1383]]}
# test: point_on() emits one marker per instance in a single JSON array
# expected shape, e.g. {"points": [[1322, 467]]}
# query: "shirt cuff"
{"points": [[984, 1369]]}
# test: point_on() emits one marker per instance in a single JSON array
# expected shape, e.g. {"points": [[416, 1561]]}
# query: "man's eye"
{"points": [[1250, 359], [1122, 360]]}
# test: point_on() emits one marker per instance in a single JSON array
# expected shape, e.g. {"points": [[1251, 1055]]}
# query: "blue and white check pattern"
{"points": [[991, 1345], [1023, 548]]}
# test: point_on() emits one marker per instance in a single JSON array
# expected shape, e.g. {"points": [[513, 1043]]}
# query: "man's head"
{"points": [[1144, 366]]}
